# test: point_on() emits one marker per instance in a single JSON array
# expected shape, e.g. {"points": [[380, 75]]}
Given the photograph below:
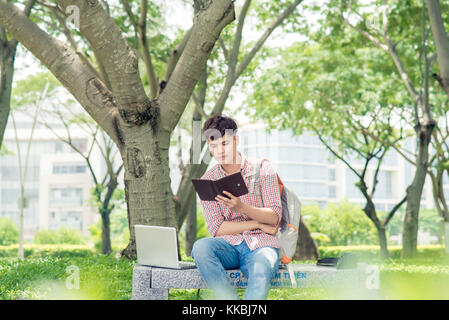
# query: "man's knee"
{"points": [[202, 247], [266, 263]]}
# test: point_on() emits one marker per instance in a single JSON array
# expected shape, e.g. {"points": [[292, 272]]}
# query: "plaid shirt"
{"points": [[215, 212]]}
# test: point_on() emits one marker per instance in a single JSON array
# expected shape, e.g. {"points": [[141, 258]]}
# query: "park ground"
{"points": [[47, 273]]}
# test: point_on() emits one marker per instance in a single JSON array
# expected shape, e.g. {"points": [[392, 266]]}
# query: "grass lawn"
{"points": [[100, 277], [105, 277]]}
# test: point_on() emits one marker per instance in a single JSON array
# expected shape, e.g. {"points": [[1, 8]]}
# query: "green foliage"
{"points": [[201, 227], [343, 224], [429, 221], [63, 235], [27, 91], [9, 232]]}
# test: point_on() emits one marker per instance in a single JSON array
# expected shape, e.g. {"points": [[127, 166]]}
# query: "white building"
{"points": [[57, 184]]}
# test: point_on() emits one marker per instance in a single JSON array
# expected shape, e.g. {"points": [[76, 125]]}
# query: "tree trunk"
{"points": [[440, 204], [383, 243], [414, 192], [370, 212], [191, 228], [106, 233], [147, 183], [21, 221], [306, 249]]}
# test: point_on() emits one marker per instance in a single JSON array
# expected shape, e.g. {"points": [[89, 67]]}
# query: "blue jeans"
{"points": [[215, 255]]}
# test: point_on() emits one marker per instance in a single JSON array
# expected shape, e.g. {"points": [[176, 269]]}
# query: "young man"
{"points": [[243, 230]]}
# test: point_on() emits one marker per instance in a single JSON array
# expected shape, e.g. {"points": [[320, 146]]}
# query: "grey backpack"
{"points": [[291, 213]]}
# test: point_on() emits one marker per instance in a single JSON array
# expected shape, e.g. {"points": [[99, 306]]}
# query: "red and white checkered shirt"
{"points": [[215, 212]]}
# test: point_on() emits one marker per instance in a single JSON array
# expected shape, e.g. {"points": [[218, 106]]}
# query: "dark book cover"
{"points": [[208, 189]]}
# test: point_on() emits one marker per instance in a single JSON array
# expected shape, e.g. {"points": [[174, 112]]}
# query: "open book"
{"points": [[208, 189]]}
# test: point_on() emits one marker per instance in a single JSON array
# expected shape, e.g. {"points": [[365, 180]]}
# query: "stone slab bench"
{"points": [[151, 283]]}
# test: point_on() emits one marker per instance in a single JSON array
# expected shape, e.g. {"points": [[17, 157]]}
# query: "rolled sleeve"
{"points": [[269, 188], [212, 215]]}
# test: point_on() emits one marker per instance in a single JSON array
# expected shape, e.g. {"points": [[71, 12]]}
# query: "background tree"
{"points": [[23, 152], [339, 94], [392, 36], [69, 115], [441, 41]]}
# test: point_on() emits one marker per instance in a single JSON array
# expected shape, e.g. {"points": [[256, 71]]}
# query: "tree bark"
{"points": [[106, 233], [441, 40], [147, 185], [383, 243]]}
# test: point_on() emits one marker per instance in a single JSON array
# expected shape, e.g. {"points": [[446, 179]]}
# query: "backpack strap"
{"points": [[255, 185]]}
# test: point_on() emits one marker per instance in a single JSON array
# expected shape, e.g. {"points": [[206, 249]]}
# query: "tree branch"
{"points": [[393, 211], [260, 42], [142, 28], [174, 57], [119, 60], [441, 40], [64, 64], [209, 23]]}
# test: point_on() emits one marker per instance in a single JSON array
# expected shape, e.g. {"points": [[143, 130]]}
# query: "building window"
{"points": [[59, 147], [331, 172], [332, 191], [68, 197], [60, 168], [383, 187], [69, 219]]}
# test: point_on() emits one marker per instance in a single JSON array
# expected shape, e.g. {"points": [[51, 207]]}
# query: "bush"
{"points": [[9, 233], [62, 236], [343, 223], [48, 250]]}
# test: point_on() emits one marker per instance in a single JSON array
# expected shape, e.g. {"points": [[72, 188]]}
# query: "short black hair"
{"points": [[221, 124]]}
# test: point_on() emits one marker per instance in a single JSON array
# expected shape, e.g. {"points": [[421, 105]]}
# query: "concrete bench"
{"points": [[150, 283]]}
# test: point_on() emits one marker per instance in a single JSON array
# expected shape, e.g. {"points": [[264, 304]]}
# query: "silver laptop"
{"points": [[157, 247]]}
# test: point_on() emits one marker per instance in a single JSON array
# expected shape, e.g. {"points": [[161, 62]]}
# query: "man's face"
{"points": [[224, 149]]}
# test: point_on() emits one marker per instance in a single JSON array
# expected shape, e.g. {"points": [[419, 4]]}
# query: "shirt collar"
{"points": [[243, 165]]}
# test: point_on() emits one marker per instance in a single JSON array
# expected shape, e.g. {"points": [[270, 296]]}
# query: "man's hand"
{"points": [[234, 203], [268, 228]]}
